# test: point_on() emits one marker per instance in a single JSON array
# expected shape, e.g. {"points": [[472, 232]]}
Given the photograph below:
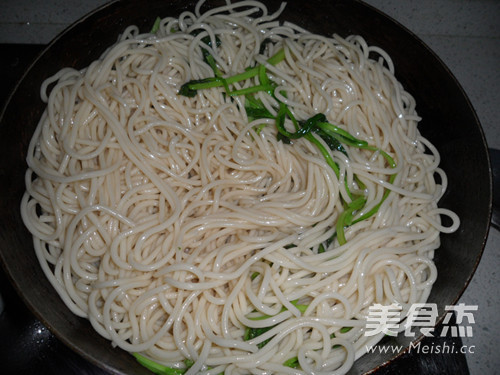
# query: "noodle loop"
{"points": [[177, 224]]}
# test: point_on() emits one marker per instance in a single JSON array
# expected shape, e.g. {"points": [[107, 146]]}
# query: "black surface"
{"points": [[495, 168], [28, 347]]}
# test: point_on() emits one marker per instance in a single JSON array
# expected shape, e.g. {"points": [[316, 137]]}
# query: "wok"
{"points": [[449, 122]]}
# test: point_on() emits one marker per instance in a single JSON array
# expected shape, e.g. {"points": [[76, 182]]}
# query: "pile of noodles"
{"points": [[173, 223]]}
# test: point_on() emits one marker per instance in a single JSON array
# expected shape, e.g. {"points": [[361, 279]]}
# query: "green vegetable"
{"points": [[186, 90], [345, 329], [254, 275], [331, 141], [333, 136], [255, 109], [193, 86], [292, 362], [161, 369], [164, 370], [345, 217], [251, 333], [340, 134], [156, 25]]}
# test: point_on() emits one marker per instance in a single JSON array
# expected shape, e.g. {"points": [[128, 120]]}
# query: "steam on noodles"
{"points": [[195, 231]]}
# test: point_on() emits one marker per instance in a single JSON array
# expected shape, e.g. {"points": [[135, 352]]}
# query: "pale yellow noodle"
{"points": [[171, 222]]}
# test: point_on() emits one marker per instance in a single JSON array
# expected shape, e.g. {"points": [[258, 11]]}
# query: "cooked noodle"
{"points": [[171, 222]]}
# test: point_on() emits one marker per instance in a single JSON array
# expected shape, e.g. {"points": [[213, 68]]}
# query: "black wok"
{"points": [[449, 122]]}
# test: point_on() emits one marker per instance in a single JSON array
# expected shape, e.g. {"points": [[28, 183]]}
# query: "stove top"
{"points": [[28, 347]]}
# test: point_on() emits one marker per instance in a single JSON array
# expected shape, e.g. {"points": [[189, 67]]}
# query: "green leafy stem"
{"points": [[190, 89], [332, 135], [160, 369]]}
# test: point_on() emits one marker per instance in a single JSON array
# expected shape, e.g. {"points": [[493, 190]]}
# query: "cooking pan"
{"points": [[449, 122]]}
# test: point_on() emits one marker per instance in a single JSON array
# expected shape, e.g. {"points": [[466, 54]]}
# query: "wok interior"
{"points": [[449, 122]]}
